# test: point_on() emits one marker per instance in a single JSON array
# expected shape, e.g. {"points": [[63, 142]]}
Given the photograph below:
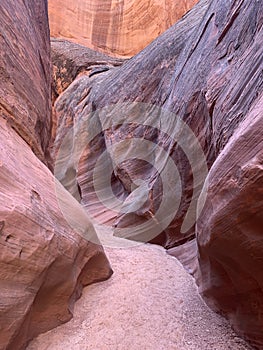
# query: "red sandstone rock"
{"points": [[230, 230], [120, 28], [49, 249], [206, 71], [25, 72], [45, 258], [131, 82]]}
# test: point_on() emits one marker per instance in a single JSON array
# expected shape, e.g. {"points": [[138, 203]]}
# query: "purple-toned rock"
{"points": [[71, 60], [130, 91], [141, 146], [229, 230]]}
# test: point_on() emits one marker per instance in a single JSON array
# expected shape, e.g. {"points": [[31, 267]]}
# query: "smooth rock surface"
{"points": [[211, 103], [230, 230], [48, 247], [114, 95], [206, 74], [120, 28], [46, 254], [25, 94]]}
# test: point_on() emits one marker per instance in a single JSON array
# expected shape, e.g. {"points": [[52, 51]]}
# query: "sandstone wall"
{"points": [[48, 247], [204, 72], [119, 28]]}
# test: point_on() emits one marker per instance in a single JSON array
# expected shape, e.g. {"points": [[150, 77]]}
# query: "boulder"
{"points": [[71, 60]]}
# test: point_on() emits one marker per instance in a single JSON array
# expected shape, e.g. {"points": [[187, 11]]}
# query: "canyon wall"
{"points": [[25, 73], [119, 28], [46, 254], [165, 147], [170, 151]]}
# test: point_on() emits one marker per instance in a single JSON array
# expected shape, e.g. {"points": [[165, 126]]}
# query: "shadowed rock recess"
{"points": [[45, 260], [203, 74]]}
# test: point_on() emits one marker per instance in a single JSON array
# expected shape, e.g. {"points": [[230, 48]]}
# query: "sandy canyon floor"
{"points": [[150, 303]]}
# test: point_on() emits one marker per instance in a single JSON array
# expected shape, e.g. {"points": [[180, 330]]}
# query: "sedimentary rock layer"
{"points": [[25, 72], [121, 28], [46, 253], [132, 122], [132, 82], [230, 230], [48, 247], [70, 60]]}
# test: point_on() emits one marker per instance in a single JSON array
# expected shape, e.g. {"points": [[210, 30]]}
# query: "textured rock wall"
{"points": [[45, 255], [25, 73], [205, 72], [121, 28], [230, 230], [70, 61], [131, 82], [48, 247]]}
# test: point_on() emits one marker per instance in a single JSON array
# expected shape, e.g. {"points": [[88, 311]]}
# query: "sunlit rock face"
{"points": [[117, 27]]}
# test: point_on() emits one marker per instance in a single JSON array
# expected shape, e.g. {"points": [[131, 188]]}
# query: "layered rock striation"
{"points": [[25, 73], [119, 28], [165, 147], [49, 248], [229, 230], [191, 100]]}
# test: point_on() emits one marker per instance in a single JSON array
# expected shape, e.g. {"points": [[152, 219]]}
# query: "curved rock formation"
{"points": [[204, 75], [46, 256], [131, 82], [73, 60], [120, 28], [49, 249], [230, 230]]}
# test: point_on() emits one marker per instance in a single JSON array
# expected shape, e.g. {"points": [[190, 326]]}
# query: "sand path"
{"points": [[150, 303]]}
